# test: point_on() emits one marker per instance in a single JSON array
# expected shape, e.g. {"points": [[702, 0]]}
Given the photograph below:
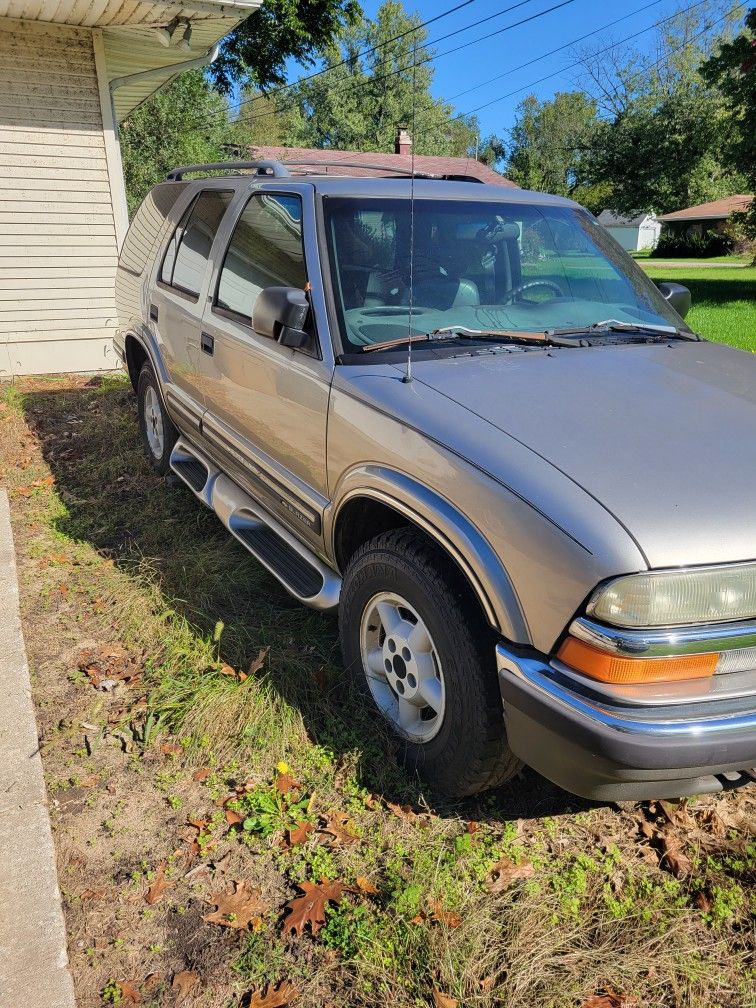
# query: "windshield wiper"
{"points": [[614, 325], [545, 337]]}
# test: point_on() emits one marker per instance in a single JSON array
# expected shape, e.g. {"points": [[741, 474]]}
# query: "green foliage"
{"points": [[255, 53], [550, 143], [165, 131], [663, 142], [733, 71], [697, 246], [267, 811], [360, 104]]}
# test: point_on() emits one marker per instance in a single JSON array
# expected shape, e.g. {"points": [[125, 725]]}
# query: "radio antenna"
{"points": [[408, 373]]}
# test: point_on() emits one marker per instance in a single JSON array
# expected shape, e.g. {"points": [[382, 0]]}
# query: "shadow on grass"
{"points": [[114, 502]]}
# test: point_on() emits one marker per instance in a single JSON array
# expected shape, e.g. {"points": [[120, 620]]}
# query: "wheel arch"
{"points": [[374, 499]]}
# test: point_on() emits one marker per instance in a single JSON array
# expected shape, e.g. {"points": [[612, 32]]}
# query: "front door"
{"points": [[175, 307], [267, 405]]}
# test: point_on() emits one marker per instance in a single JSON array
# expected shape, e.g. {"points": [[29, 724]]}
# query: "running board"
{"points": [[301, 573]]}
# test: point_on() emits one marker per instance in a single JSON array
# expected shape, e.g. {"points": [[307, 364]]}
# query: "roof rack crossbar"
{"points": [[274, 168], [356, 164]]}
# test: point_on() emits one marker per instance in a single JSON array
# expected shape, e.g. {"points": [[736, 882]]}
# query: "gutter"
{"points": [[175, 68]]}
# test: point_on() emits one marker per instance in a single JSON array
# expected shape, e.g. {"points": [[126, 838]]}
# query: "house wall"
{"points": [[626, 236], [59, 231]]}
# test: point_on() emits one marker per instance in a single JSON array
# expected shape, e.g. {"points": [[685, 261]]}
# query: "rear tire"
{"points": [[421, 653], [159, 435]]}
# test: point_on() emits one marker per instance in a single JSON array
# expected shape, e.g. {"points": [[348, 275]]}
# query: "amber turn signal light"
{"points": [[611, 668]]}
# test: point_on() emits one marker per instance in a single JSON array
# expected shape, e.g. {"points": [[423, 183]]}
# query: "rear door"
{"points": [[176, 300], [267, 405]]}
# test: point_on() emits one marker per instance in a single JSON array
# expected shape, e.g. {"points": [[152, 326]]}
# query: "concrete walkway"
{"points": [[690, 264], [33, 959]]}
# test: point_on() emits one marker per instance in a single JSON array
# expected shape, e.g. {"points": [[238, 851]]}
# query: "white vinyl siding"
{"points": [[58, 246]]}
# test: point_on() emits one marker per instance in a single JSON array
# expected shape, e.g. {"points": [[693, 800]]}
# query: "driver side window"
{"points": [[265, 250]]}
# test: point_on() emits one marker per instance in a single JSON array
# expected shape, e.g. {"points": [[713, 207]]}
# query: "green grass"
{"points": [[149, 567], [724, 302], [724, 259]]}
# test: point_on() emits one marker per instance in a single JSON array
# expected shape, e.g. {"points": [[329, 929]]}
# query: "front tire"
{"points": [[159, 435], [421, 653]]}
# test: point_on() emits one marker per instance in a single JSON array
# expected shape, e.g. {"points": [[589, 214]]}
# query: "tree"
{"points": [[662, 140], [256, 52], [164, 131], [733, 70], [551, 143], [370, 89]]}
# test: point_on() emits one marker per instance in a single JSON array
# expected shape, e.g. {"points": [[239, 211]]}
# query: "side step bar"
{"points": [[301, 573]]}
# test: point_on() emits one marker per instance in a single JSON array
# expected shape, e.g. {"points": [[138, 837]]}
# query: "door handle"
{"points": [[153, 313], [207, 343]]}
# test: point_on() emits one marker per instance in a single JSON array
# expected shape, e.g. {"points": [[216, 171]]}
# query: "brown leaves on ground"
{"points": [[437, 915], [129, 994], [505, 872], [183, 983], [610, 999], [443, 1000], [673, 858], [297, 836], [337, 828], [272, 996], [309, 908], [284, 783], [237, 908], [108, 663], [158, 888]]}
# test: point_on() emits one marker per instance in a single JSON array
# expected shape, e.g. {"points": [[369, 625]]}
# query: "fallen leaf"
{"points": [[610, 999], [151, 982], [227, 670], [486, 984], [129, 993], [309, 908], [257, 663], [108, 662], [170, 749], [157, 889], [237, 908], [92, 894], [337, 827], [505, 872], [297, 836], [440, 916], [201, 775], [183, 983], [672, 858], [284, 783], [90, 781], [273, 995], [364, 885], [233, 818], [63, 589], [703, 902], [59, 558], [443, 1000], [472, 827]]}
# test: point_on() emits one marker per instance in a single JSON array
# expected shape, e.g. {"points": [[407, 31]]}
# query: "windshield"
{"points": [[480, 265]]}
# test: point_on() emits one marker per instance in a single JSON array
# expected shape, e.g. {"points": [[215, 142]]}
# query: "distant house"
{"points": [[70, 71], [697, 220], [633, 233], [400, 161]]}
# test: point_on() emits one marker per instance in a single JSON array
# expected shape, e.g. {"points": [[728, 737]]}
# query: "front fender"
{"points": [[449, 527]]}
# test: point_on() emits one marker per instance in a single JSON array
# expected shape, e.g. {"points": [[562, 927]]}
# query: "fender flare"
{"points": [[449, 527], [147, 342]]}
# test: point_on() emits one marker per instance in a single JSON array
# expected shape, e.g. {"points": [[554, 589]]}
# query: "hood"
{"points": [[663, 436]]}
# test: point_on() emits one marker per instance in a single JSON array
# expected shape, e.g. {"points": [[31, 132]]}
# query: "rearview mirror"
{"points": [[280, 313], [677, 295]]}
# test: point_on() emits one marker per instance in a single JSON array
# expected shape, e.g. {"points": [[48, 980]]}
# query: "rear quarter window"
{"points": [[188, 250]]}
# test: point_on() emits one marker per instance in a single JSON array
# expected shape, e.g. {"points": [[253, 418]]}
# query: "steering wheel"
{"points": [[520, 288]]}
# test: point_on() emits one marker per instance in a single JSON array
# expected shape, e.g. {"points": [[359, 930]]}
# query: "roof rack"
{"points": [[357, 164], [274, 168]]}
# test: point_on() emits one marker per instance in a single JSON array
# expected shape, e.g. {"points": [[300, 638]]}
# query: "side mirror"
{"points": [[280, 313], [677, 295]]}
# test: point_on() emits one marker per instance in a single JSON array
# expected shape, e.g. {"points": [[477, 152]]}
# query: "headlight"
{"points": [[670, 598]]}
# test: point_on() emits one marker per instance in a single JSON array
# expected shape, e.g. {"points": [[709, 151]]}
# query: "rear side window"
{"points": [[188, 250], [265, 251]]}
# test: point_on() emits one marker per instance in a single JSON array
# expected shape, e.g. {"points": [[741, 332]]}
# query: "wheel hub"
{"points": [[153, 422], [402, 667]]}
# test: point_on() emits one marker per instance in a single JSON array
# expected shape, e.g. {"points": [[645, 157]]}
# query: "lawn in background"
{"points": [[724, 301]]}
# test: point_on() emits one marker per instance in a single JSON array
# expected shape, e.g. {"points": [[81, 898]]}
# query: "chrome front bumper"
{"points": [[609, 745]]}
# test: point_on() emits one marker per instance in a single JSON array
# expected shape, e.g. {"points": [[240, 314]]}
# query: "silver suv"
{"points": [[463, 415]]}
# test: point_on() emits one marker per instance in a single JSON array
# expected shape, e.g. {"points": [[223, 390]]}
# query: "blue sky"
{"points": [[459, 71]]}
